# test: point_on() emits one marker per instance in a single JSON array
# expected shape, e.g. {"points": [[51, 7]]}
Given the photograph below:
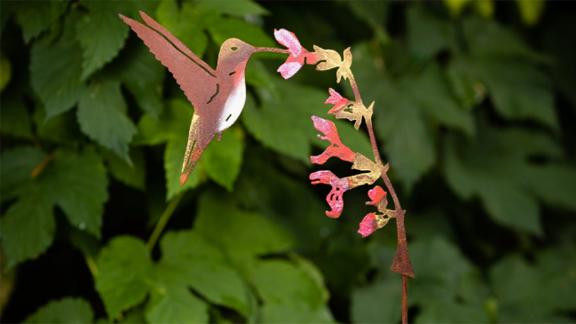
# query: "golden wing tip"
{"points": [[184, 177]]}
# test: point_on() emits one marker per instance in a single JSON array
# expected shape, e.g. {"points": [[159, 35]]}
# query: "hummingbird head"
{"points": [[234, 54]]}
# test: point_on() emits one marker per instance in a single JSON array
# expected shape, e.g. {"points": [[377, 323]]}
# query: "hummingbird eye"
{"points": [[233, 48]]}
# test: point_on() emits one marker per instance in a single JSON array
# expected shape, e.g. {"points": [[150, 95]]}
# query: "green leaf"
{"points": [[143, 76], [373, 303], [175, 304], [223, 159], [247, 233], [554, 184], [485, 8], [519, 90], [283, 123], [263, 188], [55, 70], [132, 316], [31, 217], [60, 129], [452, 312], [99, 48], [510, 206], [131, 175], [290, 293], [408, 112], [124, 274], [429, 90], [441, 268], [495, 167], [189, 260], [374, 14], [14, 118], [234, 8], [223, 28], [408, 140], [427, 34], [279, 313], [16, 167], [531, 10], [456, 6], [66, 310], [486, 38], [177, 21], [174, 121], [5, 72], [509, 70], [447, 281], [74, 182], [36, 19], [465, 84], [534, 291], [77, 184], [102, 116]]}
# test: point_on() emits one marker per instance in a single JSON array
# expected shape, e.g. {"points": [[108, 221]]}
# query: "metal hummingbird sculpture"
{"points": [[218, 95]]}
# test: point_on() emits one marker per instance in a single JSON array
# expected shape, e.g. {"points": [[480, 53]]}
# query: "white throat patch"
{"points": [[233, 106]]}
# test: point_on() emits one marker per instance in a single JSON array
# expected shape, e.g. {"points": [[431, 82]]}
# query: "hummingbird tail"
{"points": [[193, 151]]}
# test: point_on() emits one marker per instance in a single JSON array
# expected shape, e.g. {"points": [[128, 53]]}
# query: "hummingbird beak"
{"points": [[272, 50]]}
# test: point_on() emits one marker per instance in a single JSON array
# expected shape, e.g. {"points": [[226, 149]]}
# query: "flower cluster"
{"points": [[335, 200], [356, 112], [342, 108]]}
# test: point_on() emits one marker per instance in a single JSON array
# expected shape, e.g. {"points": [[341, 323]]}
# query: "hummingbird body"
{"points": [[233, 106], [218, 96]]}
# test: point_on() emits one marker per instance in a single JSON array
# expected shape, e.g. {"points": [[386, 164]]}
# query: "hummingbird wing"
{"points": [[195, 77]]}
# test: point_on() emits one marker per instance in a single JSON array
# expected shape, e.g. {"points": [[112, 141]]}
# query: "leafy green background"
{"points": [[475, 109]]}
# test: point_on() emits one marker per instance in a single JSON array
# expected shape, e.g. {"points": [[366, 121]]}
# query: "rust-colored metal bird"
{"points": [[218, 96]]}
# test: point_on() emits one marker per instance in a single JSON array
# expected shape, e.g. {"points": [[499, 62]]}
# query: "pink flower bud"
{"points": [[376, 195], [368, 225], [336, 100]]}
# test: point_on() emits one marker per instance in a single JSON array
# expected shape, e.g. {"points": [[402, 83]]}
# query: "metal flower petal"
{"points": [[336, 148], [289, 40], [335, 197], [336, 100], [288, 69]]}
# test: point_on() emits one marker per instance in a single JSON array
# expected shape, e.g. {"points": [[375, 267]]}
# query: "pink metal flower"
{"points": [[298, 54], [336, 148], [376, 195], [368, 225], [334, 197], [336, 100], [287, 39]]}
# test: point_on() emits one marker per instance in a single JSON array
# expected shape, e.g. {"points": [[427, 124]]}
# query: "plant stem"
{"points": [[355, 89], [404, 299], [164, 218], [39, 168], [401, 263], [374, 145], [91, 264]]}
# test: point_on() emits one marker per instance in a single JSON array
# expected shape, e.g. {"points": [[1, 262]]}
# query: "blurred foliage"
{"points": [[474, 110]]}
